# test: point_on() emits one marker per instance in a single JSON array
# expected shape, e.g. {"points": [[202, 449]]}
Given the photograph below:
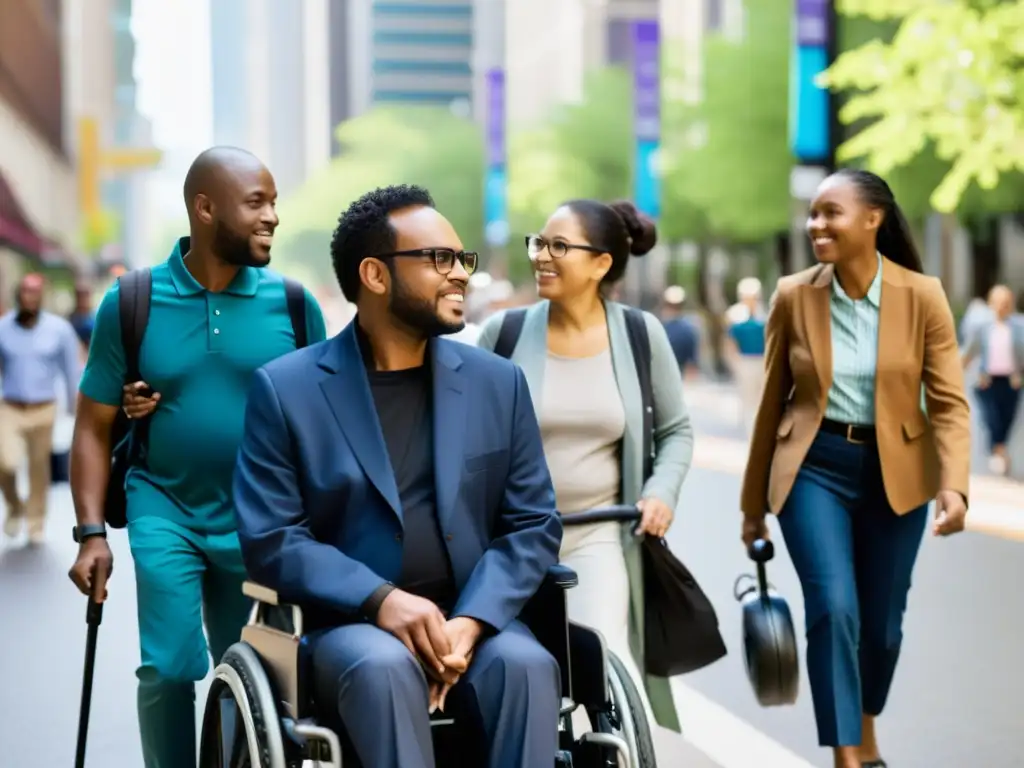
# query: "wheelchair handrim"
{"points": [[230, 677], [625, 714]]}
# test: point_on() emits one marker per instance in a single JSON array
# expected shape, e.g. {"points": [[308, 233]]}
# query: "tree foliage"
{"points": [[581, 150], [950, 80], [388, 145], [727, 158]]}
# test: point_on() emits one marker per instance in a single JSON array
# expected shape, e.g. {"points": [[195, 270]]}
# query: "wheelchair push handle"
{"points": [[614, 513]]}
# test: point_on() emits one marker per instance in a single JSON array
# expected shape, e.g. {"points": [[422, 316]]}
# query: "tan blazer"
{"points": [[920, 454]]}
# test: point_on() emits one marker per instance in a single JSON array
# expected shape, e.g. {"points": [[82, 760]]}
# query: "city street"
{"points": [[954, 703]]}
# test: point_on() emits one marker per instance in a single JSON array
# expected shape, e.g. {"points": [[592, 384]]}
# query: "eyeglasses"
{"points": [[444, 258], [557, 248]]}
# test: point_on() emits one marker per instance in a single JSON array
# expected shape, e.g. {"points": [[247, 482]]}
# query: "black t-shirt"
{"points": [[403, 401]]}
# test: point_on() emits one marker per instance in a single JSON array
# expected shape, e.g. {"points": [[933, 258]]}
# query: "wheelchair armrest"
{"points": [[259, 593], [561, 576]]}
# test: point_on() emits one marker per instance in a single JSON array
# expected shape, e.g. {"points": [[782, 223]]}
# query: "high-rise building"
{"points": [[409, 52], [271, 83]]}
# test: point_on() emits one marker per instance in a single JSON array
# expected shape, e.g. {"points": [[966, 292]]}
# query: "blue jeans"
{"points": [[854, 557], [998, 403]]}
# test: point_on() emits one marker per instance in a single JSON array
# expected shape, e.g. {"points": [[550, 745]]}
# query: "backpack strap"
{"points": [[511, 329], [135, 289], [640, 344], [296, 297]]}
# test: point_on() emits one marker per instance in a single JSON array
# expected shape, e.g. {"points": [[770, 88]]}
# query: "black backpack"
{"points": [[640, 344], [129, 437]]}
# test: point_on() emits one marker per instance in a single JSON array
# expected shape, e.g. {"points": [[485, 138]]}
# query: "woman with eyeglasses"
{"points": [[575, 351]]}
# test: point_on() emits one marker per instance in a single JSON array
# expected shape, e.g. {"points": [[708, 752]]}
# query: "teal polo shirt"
{"points": [[200, 351]]}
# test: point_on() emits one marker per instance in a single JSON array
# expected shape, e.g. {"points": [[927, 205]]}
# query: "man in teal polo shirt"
{"points": [[216, 316]]}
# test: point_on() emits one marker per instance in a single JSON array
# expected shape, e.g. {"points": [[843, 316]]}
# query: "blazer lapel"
{"points": [[818, 327], [449, 426], [894, 327], [348, 394]]}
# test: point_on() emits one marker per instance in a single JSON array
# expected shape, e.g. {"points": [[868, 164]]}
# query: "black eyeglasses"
{"points": [[557, 248], [444, 258]]}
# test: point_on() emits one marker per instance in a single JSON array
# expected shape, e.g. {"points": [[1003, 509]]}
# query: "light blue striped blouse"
{"points": [[851, 399]]}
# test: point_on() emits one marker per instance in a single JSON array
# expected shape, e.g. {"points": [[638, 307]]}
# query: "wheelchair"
{"points": [[260, 713]]}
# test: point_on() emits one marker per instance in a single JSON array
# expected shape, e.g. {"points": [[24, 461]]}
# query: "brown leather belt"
{"points": [[854, 433], [22, 406]]}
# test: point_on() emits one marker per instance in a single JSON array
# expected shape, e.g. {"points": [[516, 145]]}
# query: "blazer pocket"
{"points": [[482, 461], [914, 428]]}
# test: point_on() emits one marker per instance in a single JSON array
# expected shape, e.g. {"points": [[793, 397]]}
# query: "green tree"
{"points": [[582, 150], [727, 158], [948, 82], [388, 145]]}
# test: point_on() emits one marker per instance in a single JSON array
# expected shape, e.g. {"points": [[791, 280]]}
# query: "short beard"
{"points": [[232, 249], [418, 314]]}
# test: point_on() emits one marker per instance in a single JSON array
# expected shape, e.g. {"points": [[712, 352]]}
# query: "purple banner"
{"points": [[646, 81], [812, 22], [496, 117]]}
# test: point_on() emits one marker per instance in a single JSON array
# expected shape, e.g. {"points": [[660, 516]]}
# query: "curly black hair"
{"points": [[364, 231]]}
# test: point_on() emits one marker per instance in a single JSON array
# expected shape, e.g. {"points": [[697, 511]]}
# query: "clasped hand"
{"points": [[443, 647]]}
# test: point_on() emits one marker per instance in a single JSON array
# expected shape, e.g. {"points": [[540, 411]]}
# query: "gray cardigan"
{"points": [[673, 439]]}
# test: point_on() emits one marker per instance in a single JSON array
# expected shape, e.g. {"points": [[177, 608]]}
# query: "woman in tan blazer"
{"points": [[847, 452]]}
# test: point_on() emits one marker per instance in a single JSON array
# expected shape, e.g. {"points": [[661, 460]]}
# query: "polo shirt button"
{"points": [[216, 331], [216, 311]]}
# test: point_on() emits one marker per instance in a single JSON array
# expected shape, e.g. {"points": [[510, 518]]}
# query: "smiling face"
{"points": [[240, 205], [576, 265], [420, 296], [839, 223]]}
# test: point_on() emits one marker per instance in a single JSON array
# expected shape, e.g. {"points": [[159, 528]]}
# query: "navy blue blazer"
{"points": [[319, 517]]}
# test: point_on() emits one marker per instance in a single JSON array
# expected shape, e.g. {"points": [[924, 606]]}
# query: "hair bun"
{"points": [[642, 231]]}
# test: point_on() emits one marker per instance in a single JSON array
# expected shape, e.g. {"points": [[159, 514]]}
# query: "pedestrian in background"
{"points": [[845, 454], [999, 345], [575, 351], [216, 316], [683, 334], [37, 349], [746, 320]]}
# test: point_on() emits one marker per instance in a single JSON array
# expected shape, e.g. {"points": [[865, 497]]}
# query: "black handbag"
{"points": [[680, 625], [769, 641]]}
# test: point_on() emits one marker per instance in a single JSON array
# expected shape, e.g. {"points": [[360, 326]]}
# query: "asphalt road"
{"points": [[956, 698]]}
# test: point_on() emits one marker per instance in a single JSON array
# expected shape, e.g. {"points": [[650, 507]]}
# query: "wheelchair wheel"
{"points": [[241, 727], [631, 716]]}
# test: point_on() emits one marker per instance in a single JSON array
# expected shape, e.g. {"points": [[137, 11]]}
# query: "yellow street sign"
{"points": [[130, 159], [94, 160]]}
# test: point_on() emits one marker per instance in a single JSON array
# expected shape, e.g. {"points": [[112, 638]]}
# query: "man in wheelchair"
{"points": [[393, 485]]}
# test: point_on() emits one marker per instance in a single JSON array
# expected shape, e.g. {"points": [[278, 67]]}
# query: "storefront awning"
{"points": [[15, 230], [18, 234]]}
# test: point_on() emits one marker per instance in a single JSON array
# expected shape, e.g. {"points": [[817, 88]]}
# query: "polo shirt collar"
{"points": [[874, 295], [244, 284]]}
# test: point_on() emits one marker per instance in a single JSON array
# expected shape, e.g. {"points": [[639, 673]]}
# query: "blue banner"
{"points": [[809, 113], [646, 116], [495, 205]]}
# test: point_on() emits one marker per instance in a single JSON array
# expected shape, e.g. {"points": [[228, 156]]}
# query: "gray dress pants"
{"points": [[512, 690]]}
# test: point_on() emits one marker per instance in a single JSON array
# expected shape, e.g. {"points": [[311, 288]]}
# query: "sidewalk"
{"points": [[997, 505]]}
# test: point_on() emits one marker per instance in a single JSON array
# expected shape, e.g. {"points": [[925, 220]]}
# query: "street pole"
{"points": [[95, 161], [813, 120], [646, 61], [491, 58]]}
